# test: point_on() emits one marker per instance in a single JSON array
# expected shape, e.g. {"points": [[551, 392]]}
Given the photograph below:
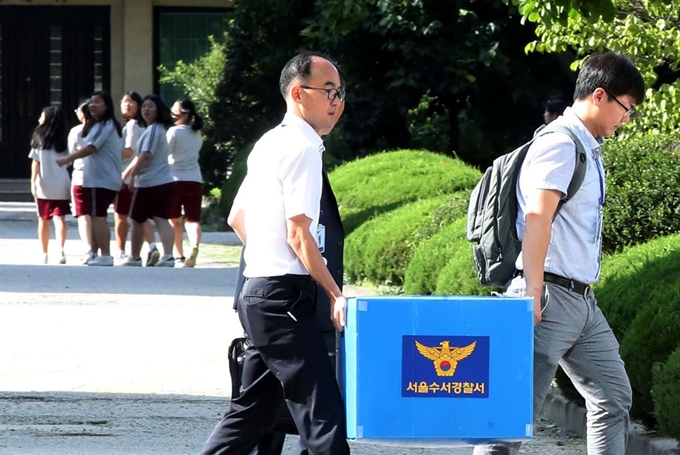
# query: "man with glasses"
{"points": [[276, 214], [560, 257]]}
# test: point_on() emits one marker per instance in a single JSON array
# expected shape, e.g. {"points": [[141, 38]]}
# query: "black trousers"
{"points": [[286, 359]]}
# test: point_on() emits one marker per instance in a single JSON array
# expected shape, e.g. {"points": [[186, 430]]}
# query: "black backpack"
{"points": [[492, 211]]}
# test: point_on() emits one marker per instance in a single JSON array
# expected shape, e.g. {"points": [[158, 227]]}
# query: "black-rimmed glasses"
{"points": [[333, 93], [630, 111]]}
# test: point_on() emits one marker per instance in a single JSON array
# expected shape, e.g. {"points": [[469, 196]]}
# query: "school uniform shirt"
{"points": [[52, 182], [283, 180], [185, 144], [76, 142], [157, 171], [132, 131], [103, 168]]}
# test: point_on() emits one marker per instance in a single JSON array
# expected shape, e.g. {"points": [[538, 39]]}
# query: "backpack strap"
{"points": [[580, 163]]}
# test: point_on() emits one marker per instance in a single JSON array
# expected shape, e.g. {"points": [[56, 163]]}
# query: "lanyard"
{"points": [[600, 174]]}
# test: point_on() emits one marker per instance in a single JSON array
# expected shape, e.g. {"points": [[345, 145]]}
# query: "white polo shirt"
{"points": [[283, 180], [576, 240]]}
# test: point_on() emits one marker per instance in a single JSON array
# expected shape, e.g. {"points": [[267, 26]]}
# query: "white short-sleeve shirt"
{"points": [[283, 180], [576, 240], [132, 131], [185, 145], [157, 171], [103, 168], [76, 142], [52, 182]]}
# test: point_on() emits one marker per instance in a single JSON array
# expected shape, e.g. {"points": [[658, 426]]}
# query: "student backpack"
{"points": [[492, 211]]}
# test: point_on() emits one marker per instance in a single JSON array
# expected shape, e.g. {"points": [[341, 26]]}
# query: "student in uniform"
{"points": [[50, 183], [130, 107], [150, 175], [185, 143], [102, 176], [76, 141]]}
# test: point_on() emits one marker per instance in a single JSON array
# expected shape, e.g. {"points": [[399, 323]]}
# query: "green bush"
{"points": [[629, 281], [653, 335], [666, 393], [232, 183], [380, 249], [429, 258], [633, 278], [643, 197], [459, 277], [380, 183]]}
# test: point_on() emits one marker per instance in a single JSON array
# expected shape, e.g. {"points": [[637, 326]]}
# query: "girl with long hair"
{"points": [[76, 142], [150, 176], [185, 142], [50, 183], [102, 176], [131, 108]]}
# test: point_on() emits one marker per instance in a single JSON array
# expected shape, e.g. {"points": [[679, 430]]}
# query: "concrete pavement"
{"points": [[122, 361]]}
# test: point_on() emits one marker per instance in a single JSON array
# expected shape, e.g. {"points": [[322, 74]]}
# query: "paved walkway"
{"points": [[117, 360]]}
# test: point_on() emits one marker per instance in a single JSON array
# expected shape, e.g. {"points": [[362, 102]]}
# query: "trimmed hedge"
{"points": [[380, 249], [651, 338], [458, 277], [429, 259], [643, 197], [380, 183], [666, 393], [634, 277]]}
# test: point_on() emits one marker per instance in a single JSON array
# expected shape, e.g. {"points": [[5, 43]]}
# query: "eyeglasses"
{"points": [[629, 111], [333, 93]]}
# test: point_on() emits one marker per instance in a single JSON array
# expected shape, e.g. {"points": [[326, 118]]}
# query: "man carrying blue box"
{"points": [[561, 257]]}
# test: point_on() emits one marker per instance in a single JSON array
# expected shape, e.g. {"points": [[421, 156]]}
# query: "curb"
{"points": [[572, 417]]}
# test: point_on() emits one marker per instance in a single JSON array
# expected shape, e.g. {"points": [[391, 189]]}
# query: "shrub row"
{"points": [[380, 249], [379, 183]]}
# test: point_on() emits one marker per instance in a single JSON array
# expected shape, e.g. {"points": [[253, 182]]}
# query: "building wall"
{"points": [[131, 37]]}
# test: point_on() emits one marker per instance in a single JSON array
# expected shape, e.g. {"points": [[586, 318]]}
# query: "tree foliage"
{"points": [[415, 68], [647, 31]]}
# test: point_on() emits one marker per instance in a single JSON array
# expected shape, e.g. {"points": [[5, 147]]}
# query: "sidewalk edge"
{"points": [[571, 416]]}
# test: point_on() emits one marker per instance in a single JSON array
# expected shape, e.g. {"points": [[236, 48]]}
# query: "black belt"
{"points": [[573, 285]]}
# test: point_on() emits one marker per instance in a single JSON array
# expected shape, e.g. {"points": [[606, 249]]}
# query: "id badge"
{"points": [[321, 237]]}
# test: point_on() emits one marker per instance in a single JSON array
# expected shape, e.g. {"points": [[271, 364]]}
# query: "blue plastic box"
{"points": [[449, 369]]}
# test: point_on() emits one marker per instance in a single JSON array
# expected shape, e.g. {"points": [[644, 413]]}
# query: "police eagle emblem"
{"points": [[446, 359]]}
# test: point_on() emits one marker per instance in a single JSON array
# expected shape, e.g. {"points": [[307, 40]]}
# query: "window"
{"points": [[98, 58], [183, 35], [55, 65]]}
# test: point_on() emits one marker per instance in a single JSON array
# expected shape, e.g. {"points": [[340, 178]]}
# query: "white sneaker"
{"points": [[152, 257], [129, 261], [166, 261], [46, 260], [120, 258], [101, 261], [62, 259], [87, 257]]}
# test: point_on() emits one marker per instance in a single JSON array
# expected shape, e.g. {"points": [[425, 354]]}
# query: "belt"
{"points": [[567, 283]]}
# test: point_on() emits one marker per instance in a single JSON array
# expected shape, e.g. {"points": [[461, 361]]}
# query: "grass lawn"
{"points": [[216, 255]]}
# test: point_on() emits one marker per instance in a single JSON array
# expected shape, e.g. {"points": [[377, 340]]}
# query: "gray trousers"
{"points": [[574, 333]]}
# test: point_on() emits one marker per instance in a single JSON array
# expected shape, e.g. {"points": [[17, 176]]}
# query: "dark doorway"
{"points": [[49, 56]]}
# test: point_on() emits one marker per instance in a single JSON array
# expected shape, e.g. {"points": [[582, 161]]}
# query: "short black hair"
{"points": [[614, 73], [299, 68], [556, 105]]}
